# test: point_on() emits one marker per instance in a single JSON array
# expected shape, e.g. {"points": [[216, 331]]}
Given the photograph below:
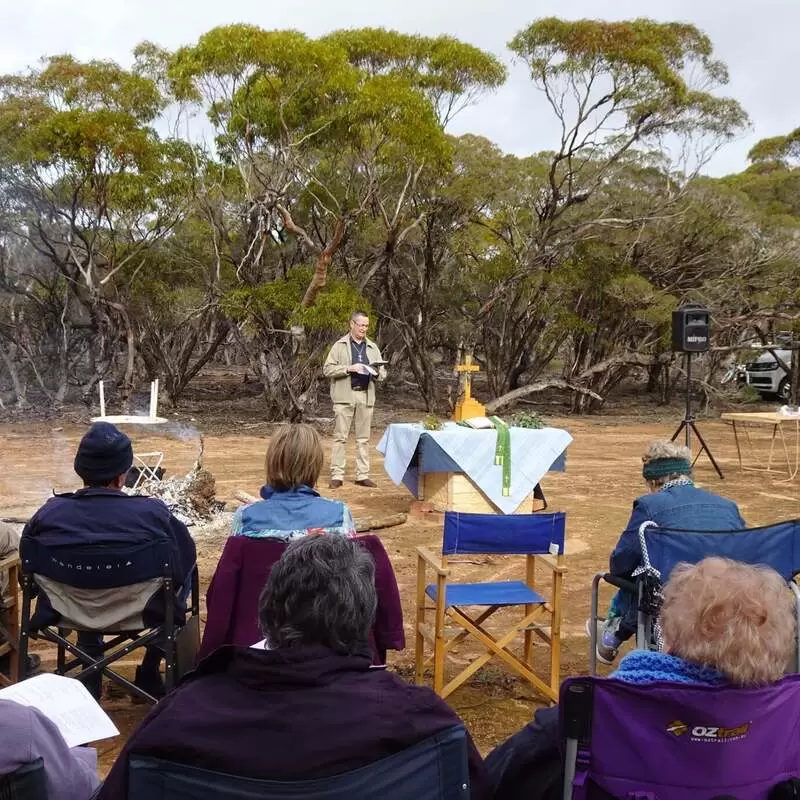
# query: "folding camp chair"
{"points": [[9, 625], [776, 546], [126, 591], [146, 467], [435, 769], [669, 741], [539, 537], [25, 783]]}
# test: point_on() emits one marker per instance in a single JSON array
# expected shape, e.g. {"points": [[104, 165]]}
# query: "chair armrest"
{"points": [[9, 561], [552, 562], [433, 562], [620, 583]]}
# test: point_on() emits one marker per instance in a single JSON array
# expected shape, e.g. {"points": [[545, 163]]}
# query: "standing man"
{"points": [[353, 395]]}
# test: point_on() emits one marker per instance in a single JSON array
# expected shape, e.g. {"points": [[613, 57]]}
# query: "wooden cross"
{"points": [[467, 368], [468, 407]]}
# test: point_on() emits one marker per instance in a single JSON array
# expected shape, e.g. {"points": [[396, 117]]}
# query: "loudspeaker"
{"points": [[691, 329]]}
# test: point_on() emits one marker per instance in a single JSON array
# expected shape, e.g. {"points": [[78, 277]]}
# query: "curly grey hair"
{"points": [[320, 592]]}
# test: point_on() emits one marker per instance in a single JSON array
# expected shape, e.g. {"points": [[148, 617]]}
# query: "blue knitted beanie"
{"points": [[104, 453]]}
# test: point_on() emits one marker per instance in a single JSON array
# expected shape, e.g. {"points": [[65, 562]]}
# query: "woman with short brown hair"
{"points": [[290, 507]]}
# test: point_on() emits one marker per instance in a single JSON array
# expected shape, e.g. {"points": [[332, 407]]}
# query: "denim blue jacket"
{"points": [[683, 507], [290, 514]]}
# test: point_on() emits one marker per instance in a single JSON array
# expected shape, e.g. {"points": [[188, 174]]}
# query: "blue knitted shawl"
{"points": [[648, 666]]}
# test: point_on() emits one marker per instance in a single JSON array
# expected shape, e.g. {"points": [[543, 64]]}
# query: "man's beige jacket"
{"points": [[335, 368]]}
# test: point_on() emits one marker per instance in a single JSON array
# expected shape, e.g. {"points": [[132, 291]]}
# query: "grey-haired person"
{"points": [[307, 703], [672, 501]]}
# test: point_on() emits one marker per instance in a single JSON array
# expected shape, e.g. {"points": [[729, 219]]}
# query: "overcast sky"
{"points": [[757, 40]]}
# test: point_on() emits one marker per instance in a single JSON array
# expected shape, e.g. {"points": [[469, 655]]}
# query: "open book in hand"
{"points": [[67, 704], [366, 369]]}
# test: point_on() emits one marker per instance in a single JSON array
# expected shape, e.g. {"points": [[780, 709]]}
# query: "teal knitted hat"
{"points": [[661, 467]]}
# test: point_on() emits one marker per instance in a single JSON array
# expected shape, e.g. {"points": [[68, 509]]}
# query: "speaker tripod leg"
{"points": [[704, 446], [684, 424]]}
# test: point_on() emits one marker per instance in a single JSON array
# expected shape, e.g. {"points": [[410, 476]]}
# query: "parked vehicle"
{"points": [[768, 377]]}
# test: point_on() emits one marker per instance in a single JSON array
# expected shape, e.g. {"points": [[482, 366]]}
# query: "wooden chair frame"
{"points": [[9, 627], [536, 620]]}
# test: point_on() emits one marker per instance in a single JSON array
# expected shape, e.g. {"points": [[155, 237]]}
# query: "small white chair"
{"points": [[148, 465]]}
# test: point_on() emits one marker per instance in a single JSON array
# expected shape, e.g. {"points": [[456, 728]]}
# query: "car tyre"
{"points": [[784, 390]]}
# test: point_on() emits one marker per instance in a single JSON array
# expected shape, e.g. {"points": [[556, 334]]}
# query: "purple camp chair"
{"points": [[669, 741]]}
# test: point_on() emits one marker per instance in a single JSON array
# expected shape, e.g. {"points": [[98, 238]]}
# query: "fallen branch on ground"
{"points": [[524, 391]]}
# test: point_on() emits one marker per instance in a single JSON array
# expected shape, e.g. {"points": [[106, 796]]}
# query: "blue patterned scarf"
{"points": [[648, 666]]}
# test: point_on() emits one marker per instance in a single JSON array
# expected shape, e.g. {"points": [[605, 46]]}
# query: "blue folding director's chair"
{"points": [[539, 537], [776, 546], [434, 769]]}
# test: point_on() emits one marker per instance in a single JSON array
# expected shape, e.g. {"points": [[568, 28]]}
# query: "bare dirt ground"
{"points": [[602, 479]]}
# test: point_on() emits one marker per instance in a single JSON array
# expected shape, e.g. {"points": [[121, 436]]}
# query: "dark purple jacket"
{"points": [[242, 571], [288, 714]]}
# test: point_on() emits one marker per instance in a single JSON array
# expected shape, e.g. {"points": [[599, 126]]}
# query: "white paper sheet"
{"points": [[67, 704]]}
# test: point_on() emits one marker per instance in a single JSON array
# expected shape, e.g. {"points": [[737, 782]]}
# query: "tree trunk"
{"points": [[19, 389], [324, 259], [182, 380], [524, 391]]}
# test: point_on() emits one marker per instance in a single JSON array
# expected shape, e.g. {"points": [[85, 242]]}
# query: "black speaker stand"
{"points": [[688, 424]]}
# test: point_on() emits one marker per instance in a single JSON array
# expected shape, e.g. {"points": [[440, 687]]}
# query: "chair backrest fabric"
{"points": [[435, 769], [109, 586], [242, 571], [503, 534], [25, 783], [776, 546], [98, 565], [670, 741]]}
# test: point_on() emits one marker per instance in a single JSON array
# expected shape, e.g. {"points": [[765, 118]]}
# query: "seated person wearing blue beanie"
{"points": [[100, 512]]}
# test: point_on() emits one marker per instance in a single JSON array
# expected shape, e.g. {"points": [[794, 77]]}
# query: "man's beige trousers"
{"points": [[344, 414]]}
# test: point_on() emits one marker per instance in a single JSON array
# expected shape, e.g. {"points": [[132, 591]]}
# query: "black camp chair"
{"points": [[24, 783], [435, 769], [116, 589]]}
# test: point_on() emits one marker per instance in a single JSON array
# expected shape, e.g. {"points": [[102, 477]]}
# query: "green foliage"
{"points": [[528, 419], [278, 302], [79, 113], [782, 149], [282, 89], [448, 72], [432, 423], [332, 168], [84, 130], [748, 394], [639, 68]]}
